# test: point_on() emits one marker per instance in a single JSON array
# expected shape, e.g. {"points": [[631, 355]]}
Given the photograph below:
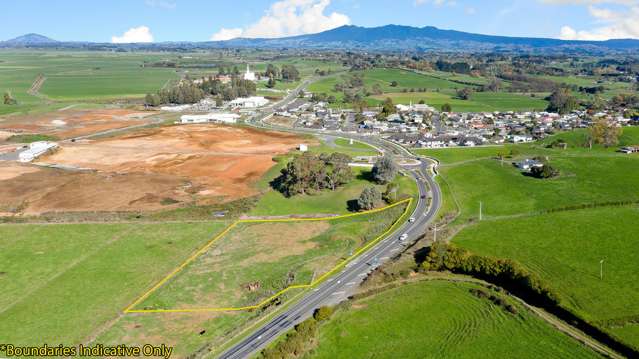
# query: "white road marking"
{"points": [[338, 293]]}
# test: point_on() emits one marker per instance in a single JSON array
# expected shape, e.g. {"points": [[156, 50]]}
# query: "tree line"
{"points": [[187, 92], [235, 88]]}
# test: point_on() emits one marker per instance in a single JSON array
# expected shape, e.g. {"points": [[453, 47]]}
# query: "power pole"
{"points": [[601, 262], [480, 211]]}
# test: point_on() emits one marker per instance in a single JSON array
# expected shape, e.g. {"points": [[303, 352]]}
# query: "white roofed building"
{"points": [[228, 118], [249, 102]]}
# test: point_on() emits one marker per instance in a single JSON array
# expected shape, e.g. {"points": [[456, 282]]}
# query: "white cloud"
{"points": [[288, 18], [614, 24], [135, 34], [227, 34]]}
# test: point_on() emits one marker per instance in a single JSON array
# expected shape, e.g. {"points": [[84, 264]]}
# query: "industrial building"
{"points": [[228, 118]]}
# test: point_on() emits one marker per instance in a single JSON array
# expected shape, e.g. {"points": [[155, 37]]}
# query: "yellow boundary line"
{"points": [[145, 295]]}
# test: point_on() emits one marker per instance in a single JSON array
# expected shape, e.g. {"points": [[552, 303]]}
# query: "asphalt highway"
{"points": [[341, 285]]}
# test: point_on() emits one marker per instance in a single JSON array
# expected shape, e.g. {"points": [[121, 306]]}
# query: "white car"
{"points": [[403, 237], [411, 220]]}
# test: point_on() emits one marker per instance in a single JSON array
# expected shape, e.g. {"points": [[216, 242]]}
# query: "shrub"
{"points": [[544, 172], [323, 313]]}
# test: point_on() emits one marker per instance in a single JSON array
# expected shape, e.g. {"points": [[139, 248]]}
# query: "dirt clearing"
{"points": [[147, 170], [73, 123]]}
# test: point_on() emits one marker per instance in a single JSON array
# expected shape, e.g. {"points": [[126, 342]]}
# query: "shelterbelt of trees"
{"points": [[189, 92]]}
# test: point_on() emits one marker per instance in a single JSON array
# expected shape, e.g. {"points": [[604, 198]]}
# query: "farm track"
{"points": [[35, 89], [37, 85]]}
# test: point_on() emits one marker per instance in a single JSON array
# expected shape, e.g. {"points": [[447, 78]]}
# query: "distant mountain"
{"points": [[397, 37], [29, 40], [384, 38]]}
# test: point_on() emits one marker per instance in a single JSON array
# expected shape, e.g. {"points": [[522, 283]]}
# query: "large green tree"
{"points": [[605, 132], [290, 73], [368, 199], [562, 101], [311, 173], [385, 169]]}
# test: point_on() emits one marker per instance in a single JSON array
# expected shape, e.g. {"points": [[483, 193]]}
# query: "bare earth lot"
{"points": [[72, 123], [145, 170]]}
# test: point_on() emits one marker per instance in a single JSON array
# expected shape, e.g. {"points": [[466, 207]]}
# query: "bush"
{"points": [[322, 313], [544, 172], [294, 342], [9, 99]]}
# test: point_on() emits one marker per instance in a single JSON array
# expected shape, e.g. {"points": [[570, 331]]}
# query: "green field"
{"points": [[587, 176], [61, 283], [454, 155], [77, 76], [440, 90], [459, 77], [405, 79], [565, 249], [384, 77], [274, 203], [478, 102], [342, 145], [439, 320], [273, 255]]}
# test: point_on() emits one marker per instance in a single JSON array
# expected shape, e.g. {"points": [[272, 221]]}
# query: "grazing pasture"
{"points": [[77, 77], [439, 319], [565, 249]]}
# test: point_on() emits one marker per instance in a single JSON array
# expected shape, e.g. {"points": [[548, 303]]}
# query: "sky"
{"points": [[203, 20]]}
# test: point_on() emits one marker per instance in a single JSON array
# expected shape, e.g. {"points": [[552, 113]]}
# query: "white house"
{"points": [[229, 118], [37, 149], [303, 148], [249, 102], [521, 139]]}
